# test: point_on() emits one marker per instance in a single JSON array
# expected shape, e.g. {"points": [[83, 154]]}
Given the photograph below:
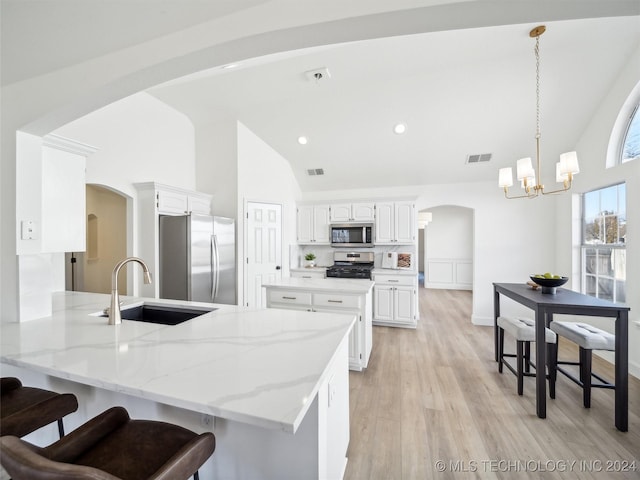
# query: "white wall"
{"points": [[592, 151], [265, 176], [217, 163], [139, 139]]}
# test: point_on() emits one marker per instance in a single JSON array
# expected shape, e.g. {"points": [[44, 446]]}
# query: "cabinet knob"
{"points": [[278, 267]]}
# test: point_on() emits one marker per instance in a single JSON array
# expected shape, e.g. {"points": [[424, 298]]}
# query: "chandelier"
{"points": [[529, 178]]}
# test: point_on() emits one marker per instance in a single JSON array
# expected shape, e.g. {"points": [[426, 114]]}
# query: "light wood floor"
{"points": [[435, 394]]}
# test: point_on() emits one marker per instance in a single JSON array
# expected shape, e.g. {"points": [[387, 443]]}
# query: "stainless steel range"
{"points": [[351, 265]]}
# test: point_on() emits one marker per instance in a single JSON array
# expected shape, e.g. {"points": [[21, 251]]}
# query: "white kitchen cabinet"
{"points": [[394, 300], [313, 224], [360, 338], [173, 201], [63, 227], [395, 223], [352, 212]]}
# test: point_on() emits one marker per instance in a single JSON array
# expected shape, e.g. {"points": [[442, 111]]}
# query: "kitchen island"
{"points": [[272, 385], [337, 295]]}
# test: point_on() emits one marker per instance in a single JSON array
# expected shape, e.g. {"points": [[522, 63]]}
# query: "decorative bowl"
{"points": [[549, 284]]}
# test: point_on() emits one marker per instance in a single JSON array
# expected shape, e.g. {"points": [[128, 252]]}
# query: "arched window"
{"points": [[631, 144]]}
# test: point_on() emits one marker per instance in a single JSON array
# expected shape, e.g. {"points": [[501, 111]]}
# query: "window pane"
{"points": [[609, 200], [590, 259], [621, 291], [605, 263], [591, 204], [631, 145], [620, 264], [622, 200], [605, 288], [590, 285]]}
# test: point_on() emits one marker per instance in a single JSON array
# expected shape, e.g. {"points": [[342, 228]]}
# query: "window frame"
{"points": [[623, 139]]}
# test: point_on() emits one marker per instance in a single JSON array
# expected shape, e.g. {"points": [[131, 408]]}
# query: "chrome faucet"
{"points": [[114, 309]]}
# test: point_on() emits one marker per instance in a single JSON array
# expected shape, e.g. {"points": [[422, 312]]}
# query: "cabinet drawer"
{"points": [[394, 279], [336, 300], [289, 297], [309, 274]]}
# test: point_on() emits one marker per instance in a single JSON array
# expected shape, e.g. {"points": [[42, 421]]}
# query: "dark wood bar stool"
{"points": [[111, 446], [26, 409], [588, 338], [523, 330]]}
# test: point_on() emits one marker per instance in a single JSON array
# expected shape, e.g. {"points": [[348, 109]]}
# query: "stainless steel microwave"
{"points": [[352, 235]]}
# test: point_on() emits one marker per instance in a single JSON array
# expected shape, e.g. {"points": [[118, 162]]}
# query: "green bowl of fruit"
{"points": [[548, 281]]}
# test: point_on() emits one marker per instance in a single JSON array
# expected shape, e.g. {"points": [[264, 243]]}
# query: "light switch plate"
{"points": [[29, 230]]}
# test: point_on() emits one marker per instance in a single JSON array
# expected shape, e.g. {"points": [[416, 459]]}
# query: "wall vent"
{"points": [[315, 171], [479, 158]]}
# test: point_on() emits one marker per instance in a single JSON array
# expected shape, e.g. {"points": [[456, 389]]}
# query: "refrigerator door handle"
{"points": [[215, 267]]}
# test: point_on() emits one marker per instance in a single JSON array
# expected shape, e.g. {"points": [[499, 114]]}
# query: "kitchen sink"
{"points": [[162, 314]]}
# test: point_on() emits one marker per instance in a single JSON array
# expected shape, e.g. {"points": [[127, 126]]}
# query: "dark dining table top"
{"points": [[562, 298]]}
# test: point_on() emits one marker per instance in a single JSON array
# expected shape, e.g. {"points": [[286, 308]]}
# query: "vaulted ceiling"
{"points": [[460, 75]]}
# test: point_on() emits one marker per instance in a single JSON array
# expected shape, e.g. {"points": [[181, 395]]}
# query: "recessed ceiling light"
{"points": [[302, 140], [400, 128]]}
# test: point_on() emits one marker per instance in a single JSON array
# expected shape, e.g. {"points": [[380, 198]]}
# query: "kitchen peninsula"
{"points": [[272, 385]]}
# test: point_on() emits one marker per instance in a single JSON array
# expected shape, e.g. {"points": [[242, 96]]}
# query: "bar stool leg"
{"points": [[60, 428], [527, 357], [500, 348], [519, 362], [585, 368]]}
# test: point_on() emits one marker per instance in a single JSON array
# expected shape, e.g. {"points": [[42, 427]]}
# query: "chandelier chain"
{"points": [[537, 52]]}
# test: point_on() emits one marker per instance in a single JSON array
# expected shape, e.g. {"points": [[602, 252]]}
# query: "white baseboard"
{"points": [[449, 286]]}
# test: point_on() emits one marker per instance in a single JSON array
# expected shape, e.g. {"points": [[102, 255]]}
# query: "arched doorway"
{"points": [[107, 241]]}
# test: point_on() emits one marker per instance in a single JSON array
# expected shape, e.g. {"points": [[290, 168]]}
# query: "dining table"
{"points": [[568, 302]]}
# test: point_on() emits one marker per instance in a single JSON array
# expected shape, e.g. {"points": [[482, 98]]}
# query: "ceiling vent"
{"points": [[479, 158], [315, 171]]}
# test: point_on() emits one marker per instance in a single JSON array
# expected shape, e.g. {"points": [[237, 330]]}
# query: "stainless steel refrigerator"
{"points": [[198, 258]]}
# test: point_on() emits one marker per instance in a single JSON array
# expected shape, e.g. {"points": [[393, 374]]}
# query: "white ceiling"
{"points": [[466, 87], [460, 92]]}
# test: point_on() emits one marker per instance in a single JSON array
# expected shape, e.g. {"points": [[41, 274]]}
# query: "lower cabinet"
{"points": [[394, 300], [360, 338]]}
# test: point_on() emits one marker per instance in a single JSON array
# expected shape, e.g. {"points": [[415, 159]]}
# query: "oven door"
{"points": [[352, 235]]}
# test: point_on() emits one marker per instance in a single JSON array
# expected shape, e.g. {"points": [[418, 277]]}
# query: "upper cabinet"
{"points": [[63, 195], [313, 224], [395, 223], [173, 201], [352, 212]]}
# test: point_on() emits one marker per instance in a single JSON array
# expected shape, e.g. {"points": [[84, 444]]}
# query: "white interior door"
{"points": [[264, 250]]}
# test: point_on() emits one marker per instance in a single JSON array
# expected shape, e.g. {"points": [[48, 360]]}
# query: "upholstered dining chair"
{"points": [[111, 446]]}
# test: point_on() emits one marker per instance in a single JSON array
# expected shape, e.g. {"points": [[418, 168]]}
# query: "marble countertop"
{"points": [[261, 367], [343, 285]]}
